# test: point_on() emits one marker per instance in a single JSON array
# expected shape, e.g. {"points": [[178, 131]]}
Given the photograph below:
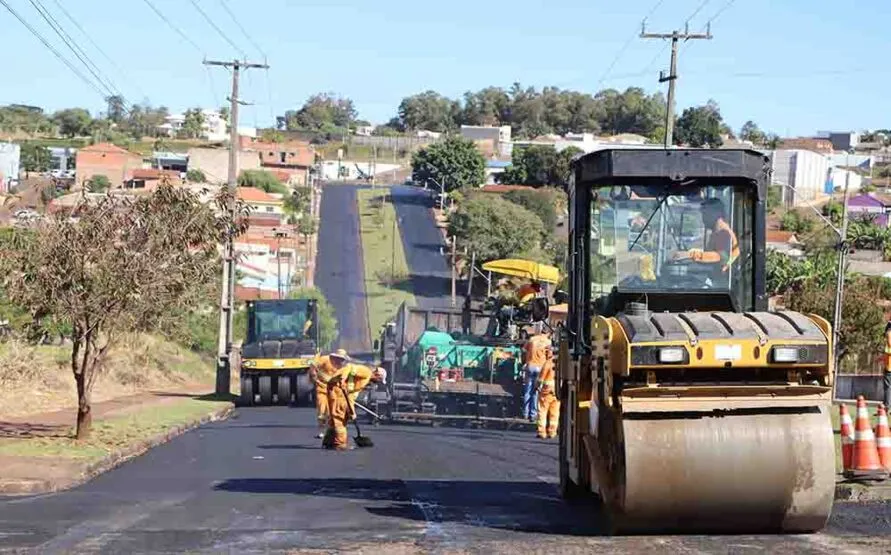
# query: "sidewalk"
{"points": [[39, 454]]}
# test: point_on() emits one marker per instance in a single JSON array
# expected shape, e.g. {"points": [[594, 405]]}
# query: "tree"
{"points": [[72, 122], [429, 110], [538, 165], [327, 320], [196, 176], [298, 202], [632, 111], [262, 179], [120, 267], [193, 125], [98, 184], [454, 162], [796, 222], [496, 228], [538, 201], [306, 226], [488, 106], [700, 126], [751, 132], [224, 113], [29, 119], [833, 210], [116, 108], [321, 112], [562, 169], [35, 158]]}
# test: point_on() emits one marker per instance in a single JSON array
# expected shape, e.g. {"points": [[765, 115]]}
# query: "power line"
{"points": [[52, 49], [176, 29], [98, 48], [696, 11], [243, 31], [76, 49], [217, 29], [686, 23], [626, 45]]}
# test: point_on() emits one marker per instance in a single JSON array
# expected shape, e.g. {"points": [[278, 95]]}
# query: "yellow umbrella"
{"points": [[524, 269]]}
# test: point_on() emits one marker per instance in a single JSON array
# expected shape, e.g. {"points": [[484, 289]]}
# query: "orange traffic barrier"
{"points": [[883, 438], [847, 436], [865, 460]]}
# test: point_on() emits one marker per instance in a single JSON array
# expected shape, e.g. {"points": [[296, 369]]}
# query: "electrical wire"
{"points": [[176, 29], [72, 45], [625, 46], [216, 28], [99, 49], [250, 39], [52, 49]]}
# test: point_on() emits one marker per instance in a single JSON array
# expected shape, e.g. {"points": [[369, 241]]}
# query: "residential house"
{"points": [[148, 179], [365, 130], [874, 205], [114, 162], [214, 162], [267, 210], [213, 126], [10, 158], [170, 161], [841, 140], [499, 136], [291, 158], [268, 261], [495, 168]]}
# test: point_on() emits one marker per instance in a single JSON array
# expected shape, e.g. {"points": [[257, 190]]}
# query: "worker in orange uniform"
{"points": [[723, 247], [886, 379], [320, 372], [548, 403], [342, 390], [534, 354], [528, 291]]}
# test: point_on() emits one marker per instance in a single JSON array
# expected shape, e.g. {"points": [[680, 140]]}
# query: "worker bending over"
{"points": [[320, 372], [548, 403], [342, 390]]}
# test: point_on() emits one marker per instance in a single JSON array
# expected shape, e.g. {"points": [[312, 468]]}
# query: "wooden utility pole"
{"points": [[227, 297], [454, 270], [672, 76]]}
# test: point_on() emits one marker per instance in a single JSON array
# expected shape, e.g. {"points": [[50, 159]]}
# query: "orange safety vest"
{"points": [[724, 242], [548, 378]]}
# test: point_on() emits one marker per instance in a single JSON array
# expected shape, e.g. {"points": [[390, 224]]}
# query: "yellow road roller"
{"points": [[687, 405]]}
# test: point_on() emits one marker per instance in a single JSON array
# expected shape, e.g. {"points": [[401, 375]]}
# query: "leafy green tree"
{"points": [[538, 201], [73, 122], [29, 119], [224, 113], [454, 162], [429, 110], [35, 158], [562, 169], [700, 126], [98, 184], [298, 202], [631, 111], [327, 321], [116, 110], [833, 210], [196, 176], [796, 222], [193, 125], [262, 179], [488, 106], [751, 132], [496, 228], [307, 226], [321, 112]]}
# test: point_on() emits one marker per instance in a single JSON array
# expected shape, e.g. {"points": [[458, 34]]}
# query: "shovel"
{"points": [[361, 441]]}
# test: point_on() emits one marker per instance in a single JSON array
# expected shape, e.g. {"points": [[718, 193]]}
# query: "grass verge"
{"points": [[387, 277], [115, 433]]}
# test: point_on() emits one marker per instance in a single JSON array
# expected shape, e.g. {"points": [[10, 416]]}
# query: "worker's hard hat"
{"points": [[341, 354]]}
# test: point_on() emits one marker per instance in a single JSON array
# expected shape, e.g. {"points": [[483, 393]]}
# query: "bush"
{"points": [[496, 228], [196, 176], [796, 222], [774, 197], [98, 184], [262, 179], [538, 201]]}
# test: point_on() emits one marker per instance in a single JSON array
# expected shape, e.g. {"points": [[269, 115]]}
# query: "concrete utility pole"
{"points": [[227, 300], [675, 36]]}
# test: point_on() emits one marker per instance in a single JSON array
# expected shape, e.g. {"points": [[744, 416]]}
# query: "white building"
{"points": [[10, 157], [365, 130], [213, 128], [807, 176]]}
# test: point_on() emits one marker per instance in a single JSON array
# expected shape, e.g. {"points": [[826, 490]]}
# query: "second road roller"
{"points": [[687, 404]]}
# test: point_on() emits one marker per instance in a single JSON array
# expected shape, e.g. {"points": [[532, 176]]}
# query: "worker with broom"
{"points": [[342, 390], [323, 369]]}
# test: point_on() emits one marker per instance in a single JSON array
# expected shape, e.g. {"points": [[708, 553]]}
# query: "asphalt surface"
{"points": [[422, 241], [259, 482], [339, 267]]}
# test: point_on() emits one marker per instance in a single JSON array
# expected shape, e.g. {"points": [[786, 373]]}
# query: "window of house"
{"points": [[282, 154], [270, 209]]}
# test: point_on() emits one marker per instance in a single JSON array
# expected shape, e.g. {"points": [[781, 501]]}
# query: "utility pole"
{"points": [[840, 276], [672, 77], [227, 296], [454, 270]]}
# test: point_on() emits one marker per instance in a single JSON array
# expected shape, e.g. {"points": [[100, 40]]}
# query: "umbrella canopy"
{"points": [[524, 269]]}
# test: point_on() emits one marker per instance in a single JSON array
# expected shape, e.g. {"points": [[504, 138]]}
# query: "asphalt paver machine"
{"points": [[687, 405]]}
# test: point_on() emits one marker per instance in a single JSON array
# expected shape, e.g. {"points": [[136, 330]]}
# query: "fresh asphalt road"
{"points": [[339, 267], [422, 241], [259, 482]]}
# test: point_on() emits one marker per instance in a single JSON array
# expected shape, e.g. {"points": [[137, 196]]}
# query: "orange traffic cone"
{"points": [[847, 436], [883, 438], [865, 461]]}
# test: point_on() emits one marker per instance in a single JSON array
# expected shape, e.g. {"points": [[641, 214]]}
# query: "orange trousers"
{"points": [[338, 415], [548, 414], [322, 406]]}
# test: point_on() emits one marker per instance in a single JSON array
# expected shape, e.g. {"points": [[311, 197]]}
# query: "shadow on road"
{"points": [[532, 507]]}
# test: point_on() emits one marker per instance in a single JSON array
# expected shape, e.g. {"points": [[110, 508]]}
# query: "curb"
{"points": [[110, 461], [860, 492]]}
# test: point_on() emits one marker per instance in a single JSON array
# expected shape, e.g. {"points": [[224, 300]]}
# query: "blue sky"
{"points": [[793, 66]]}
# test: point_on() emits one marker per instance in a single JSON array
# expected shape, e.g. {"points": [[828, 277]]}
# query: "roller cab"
{"points": [[687, 405], [281, 342]]}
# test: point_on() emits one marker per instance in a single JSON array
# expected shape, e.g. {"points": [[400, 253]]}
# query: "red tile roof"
{"points": [[152, 173], [774, 236], [106, 147], [253, 194]]}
